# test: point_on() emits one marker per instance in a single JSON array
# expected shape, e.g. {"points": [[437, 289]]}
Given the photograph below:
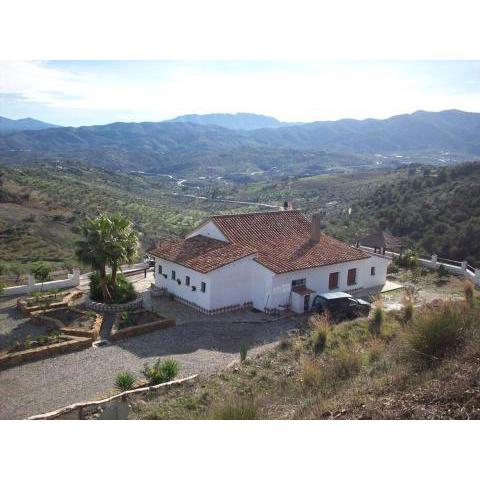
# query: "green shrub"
{"points": [[2, 287], [434, 334], [442, 271], [126, 320], [408, 259], [41, 272], [122, 292], [162, 371], [124, 381], [243, 352], [393, 267], [375, 323], [235, 409]]}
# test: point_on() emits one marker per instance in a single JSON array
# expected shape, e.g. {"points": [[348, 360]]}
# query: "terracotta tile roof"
{"points": [[282, 240], [201, 253]]}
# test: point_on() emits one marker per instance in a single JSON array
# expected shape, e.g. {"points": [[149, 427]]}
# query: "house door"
{"points": [[306, 303]]}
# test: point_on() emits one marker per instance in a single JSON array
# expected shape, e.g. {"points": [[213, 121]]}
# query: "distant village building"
{"points": [[270, 261]]}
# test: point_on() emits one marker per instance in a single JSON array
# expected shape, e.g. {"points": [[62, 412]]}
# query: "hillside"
{"points": [[42, 207], [8, 125], [192, 149], [237, 121], [438, 210], [408, 369]]}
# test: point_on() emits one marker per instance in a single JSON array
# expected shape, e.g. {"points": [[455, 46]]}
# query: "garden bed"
{"points": [[137, 322], [40, 348], [47, 301], [72, 321]]}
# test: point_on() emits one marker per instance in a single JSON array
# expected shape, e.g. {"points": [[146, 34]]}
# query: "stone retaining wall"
{"points": [[39, 353], [117, 334], [114, 307], [22, 304]]}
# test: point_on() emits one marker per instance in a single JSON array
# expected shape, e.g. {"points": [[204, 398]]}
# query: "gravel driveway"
{"points": [[199, 347]]}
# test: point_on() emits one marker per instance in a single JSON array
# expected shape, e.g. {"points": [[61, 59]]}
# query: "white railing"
{"points": [[434, 262], [72, 280]]}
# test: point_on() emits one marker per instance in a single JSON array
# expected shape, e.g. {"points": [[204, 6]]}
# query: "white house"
{"points": [[267, 260]]}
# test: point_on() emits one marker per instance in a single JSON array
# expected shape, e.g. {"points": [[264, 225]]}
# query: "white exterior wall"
{"points": [[232, 284], [248, 281], [261, 285], [317, 279], [198, 297], [209, 229]]}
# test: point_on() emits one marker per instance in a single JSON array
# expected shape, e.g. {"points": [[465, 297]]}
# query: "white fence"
{"points": [[72, 280], [434, 262]]}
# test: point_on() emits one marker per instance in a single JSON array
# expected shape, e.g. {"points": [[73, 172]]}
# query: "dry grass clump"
{"points": [[468, 290], [320, 331], [375, 350], [435, 333], [376, 321], [406, 314], [345, 363], [234, 408]]}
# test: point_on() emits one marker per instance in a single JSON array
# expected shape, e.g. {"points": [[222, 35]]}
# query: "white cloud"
{"points": [[289, 92]]}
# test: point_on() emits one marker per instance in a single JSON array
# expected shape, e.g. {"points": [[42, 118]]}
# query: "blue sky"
{"points": [[97, 92]]}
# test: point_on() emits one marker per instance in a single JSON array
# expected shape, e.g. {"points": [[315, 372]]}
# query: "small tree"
{"points": [[2, 287], [41, 272]]}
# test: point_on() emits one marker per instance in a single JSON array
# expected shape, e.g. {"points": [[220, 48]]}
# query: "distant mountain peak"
{"points": [[28, 123], [233, 121]]}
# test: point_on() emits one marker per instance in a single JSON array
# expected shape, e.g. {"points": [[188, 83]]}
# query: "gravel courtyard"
{"points": [[201, 346]]}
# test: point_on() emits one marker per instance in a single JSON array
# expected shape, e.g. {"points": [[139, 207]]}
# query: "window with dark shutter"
{"points": [[159, 269], [352, 276], [372, 271], [174, 275], [333, 281], [203, 287], [187, 281]]}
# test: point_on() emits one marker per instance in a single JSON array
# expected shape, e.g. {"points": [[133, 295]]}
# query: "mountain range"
{"points": [[237, 121], [9, 125], [193, 147]]}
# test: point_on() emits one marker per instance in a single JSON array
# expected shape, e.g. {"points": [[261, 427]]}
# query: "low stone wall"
{"points": [[22, 304], [93, 333], [16, 358], [117, 334], [114, 307]]}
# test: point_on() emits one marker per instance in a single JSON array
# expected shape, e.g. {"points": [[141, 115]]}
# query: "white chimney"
{"points": [[287, 205], [315, 235]]}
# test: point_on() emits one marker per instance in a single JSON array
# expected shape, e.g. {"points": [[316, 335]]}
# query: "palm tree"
{"points": [[93, 249], [109, 240], [124, 243]]}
